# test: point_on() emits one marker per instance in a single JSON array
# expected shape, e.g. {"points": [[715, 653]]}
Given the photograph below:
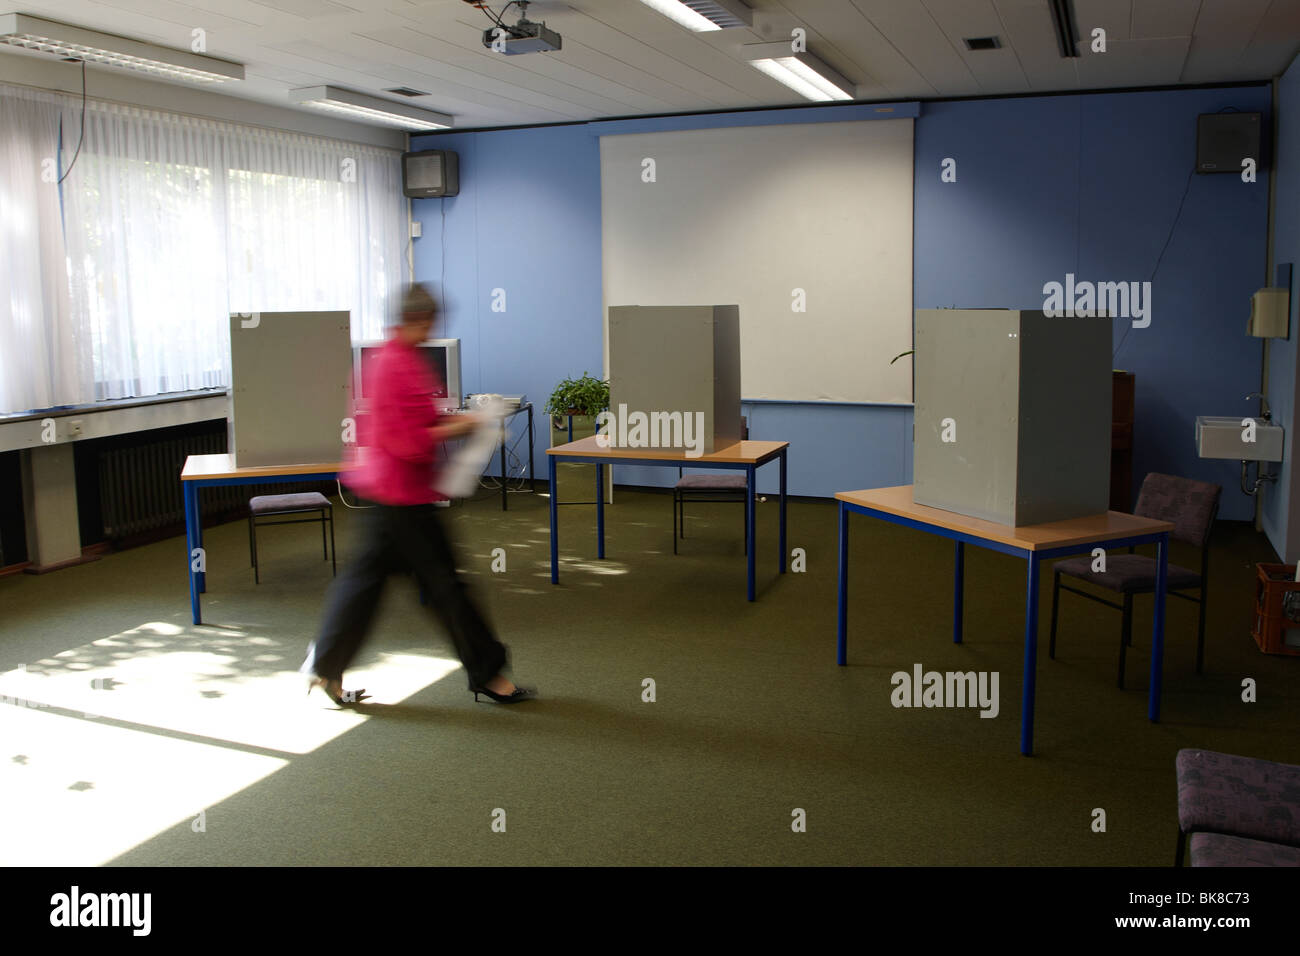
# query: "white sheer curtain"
{"points": [[314, 226], [172, 222], [146, 250], [44, 353]]}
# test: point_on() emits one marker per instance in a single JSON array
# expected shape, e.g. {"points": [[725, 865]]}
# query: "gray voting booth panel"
{"points": [[682, 358], [1029, 400], [290, 387]]}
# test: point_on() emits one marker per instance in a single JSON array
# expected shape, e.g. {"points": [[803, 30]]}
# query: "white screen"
{"points": [[747, 215], [424, 172]]}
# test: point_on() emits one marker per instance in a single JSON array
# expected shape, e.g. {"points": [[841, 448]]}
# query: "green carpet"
{"points": [[133, 722]]}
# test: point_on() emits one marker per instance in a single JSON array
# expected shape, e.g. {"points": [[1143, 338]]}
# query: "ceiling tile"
{"points": [[912, 31], [1156, 62], [1164, 18], [621, 58]]}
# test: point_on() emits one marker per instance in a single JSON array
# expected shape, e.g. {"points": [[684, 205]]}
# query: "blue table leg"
{"points": [[1158, 629], [555, 547], [781, 549], [842, 636], [600, 510], [198, 540], [1031, 658], [189, 552], [749, 528], [959, 590]]}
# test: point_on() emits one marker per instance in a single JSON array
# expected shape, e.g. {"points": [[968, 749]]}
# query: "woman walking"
{"points": [[394, 471]]}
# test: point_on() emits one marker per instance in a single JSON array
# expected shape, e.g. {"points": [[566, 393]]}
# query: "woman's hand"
{"points": [[457, 427]]}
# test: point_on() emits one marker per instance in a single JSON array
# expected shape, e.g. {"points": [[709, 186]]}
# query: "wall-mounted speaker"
{"points": [[430, 174], [1223, 140]]}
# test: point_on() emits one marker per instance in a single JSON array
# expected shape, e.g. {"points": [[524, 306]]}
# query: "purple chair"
{"points": [[1191, 507], [1233, 796], [264, 506], [730, 486], [1215, 849]]}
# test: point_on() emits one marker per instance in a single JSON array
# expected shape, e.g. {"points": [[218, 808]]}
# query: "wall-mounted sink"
{"points": [[1223, 436]]}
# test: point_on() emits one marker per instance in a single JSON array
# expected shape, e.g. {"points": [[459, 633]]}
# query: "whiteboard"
{"points": [[759, 216]]}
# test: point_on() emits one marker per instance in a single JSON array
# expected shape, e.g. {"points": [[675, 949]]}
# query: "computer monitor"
{"points": [[443, 356]]}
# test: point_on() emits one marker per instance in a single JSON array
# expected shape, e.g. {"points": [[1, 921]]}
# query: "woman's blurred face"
{"points": [[416, 330]]}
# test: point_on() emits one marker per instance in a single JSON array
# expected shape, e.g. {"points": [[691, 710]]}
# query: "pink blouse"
{"points": [[393, 461]]}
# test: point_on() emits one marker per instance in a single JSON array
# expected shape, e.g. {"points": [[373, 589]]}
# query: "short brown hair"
{"points": [[417, 301]]}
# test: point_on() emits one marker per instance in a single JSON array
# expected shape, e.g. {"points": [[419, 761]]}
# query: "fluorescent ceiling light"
{"points": [[701, 15], [61, 40], [802, 72], [360, 106]]}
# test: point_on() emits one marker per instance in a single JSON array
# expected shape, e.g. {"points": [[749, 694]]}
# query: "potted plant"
{"points": [[578, 396]]}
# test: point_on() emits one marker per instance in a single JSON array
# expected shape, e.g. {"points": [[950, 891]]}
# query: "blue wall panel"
{"points": [[1276, 513], [1087, 184]]}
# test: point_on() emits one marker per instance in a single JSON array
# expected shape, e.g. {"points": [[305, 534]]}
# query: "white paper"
{"points": [[459, 479]]}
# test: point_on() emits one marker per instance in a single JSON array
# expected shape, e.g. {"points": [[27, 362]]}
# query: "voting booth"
{"points": [[290, 387], [1012, 414], [676, 360]]}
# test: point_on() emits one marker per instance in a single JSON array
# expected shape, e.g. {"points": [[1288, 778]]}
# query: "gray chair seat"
{"points": [[1129, 573], [730, 486], [732, 482], [1190, 506], [284, 504], [263, 506], [1237, 796], [1215, 849]]}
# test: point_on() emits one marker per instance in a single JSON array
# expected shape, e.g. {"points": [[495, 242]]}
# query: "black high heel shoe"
{"points": [[344, 698], [520, 694]]}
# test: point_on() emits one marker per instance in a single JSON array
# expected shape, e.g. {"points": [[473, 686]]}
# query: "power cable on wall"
{"points": [[82, 138]]}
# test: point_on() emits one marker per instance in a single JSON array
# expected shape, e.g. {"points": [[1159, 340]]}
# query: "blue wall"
{"points": [[527, 220], [1279, 520], [1045, 186]]}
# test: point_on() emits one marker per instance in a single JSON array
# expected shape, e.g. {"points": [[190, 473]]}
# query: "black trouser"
{"points": [[405, 538]]}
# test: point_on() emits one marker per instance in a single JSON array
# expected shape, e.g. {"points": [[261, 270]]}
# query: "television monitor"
{"points": [[1223, 140], [443, 356], [430, 174]]}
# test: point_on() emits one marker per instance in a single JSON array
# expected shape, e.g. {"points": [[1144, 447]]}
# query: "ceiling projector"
{"points": [[524, 37]]}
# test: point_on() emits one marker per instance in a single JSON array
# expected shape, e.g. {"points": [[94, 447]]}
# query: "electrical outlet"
{"points": [[74, 428], [417, 229]]}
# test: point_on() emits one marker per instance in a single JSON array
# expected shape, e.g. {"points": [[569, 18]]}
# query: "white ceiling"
{"points": [[620, 58]]}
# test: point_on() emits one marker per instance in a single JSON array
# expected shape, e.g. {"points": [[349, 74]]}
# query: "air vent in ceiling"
{"points": [[701, 15], [406, 91], [719, 13], [982, 43]]}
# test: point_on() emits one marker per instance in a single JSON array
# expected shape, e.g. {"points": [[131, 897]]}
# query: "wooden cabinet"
{"points": [[1121, 441]]}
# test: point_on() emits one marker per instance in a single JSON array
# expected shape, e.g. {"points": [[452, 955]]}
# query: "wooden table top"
{"points": [[1035, 537], [218, 466], [742, 452]]}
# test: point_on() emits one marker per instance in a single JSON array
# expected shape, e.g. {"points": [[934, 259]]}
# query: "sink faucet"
{"points": [[1263, 401]]}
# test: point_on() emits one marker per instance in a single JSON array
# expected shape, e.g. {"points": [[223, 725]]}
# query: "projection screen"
{"points": [[807, 228]]}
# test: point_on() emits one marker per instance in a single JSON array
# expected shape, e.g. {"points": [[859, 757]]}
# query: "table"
{"points": [[1034, 543], [746, 456], [207, 471], [532, 477]]}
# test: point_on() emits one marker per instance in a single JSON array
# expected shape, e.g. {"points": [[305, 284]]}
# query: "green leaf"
{"points": [[586, 395]]}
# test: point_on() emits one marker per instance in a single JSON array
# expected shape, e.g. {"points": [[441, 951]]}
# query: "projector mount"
{"points": [[526, 36]]}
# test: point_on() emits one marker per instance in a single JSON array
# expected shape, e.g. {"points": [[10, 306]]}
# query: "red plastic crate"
{"points": [[1277, 626]]}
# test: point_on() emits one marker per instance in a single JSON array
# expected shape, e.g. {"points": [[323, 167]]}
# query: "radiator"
{"points": [[140, 486]]}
